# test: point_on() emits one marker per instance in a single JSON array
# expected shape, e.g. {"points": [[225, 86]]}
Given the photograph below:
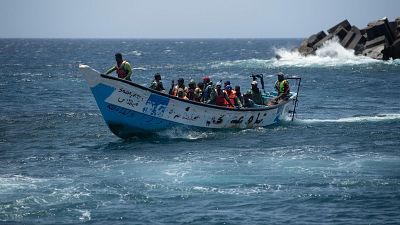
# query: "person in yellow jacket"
{"points": [[282, 88], [122, 68]]}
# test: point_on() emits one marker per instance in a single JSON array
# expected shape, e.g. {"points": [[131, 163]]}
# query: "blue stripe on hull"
{"points": [[124, 122]]}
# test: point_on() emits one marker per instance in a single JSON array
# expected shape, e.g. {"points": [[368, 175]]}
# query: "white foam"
{"points": [[182, 133], [19, 182], [332, 53], [247, 63], [85, 216], [135, 53], [139, 68], [355, 119]]}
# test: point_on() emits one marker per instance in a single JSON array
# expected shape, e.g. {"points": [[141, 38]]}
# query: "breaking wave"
{"points": [[182, 133], [355, 119], [332, 53]]}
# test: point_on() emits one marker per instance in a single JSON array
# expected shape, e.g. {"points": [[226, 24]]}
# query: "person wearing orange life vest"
{"points": [[282, 88], [122, 68], [221, 97], [174, 88], [181, 94], [234, 100]]}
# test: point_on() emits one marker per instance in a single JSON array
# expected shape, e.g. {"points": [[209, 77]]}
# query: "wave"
{"points": [[355, 119], [135, 53], [14, 182], [182, 133], [330, 54], [246, 63]]}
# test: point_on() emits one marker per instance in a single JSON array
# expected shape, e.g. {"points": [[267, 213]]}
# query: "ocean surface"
{"points": [[337, 163]]}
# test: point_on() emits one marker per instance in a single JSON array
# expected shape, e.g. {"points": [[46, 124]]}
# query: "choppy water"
{"points": [[337, 163]]}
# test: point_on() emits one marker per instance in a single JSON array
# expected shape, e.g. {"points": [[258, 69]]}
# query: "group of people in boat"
{"points": [[208, 92]]}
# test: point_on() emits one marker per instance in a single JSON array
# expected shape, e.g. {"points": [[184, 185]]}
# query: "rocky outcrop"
{"points": [[379, 40]]}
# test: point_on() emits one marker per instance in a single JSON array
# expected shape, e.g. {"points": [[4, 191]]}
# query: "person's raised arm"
{"points": [[112, 69]]}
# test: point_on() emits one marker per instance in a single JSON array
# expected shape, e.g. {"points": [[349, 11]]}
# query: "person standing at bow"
{"points": [[122, 68]]}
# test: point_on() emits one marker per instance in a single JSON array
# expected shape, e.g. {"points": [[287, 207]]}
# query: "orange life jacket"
{"points": [[122, 73], [231, 98], [175, 90]]}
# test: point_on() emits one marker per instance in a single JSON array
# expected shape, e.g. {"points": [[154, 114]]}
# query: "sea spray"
{"points": [[354, 119], [330, 54]]}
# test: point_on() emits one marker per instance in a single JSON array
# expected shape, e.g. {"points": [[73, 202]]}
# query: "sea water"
{"points": [[338, 162]]}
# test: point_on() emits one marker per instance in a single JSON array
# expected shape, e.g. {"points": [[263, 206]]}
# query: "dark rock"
{"points": [[340, 32], [349, 37], [345, 24], [393, 51], [304, 43], [379, 40], [354, 40], [305, 50], [393, 27], [396, 49], [375, 42], [306, 46], [313, 39], [379, 28], [357, 43], [375, 52], [397, 29], [356, 30], [322, 41]]}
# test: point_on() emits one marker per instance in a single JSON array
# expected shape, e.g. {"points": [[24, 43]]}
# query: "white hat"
{"points": [[254, 82]]}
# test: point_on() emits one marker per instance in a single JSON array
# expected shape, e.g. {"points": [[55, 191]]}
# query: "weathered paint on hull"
{"points": [[130, 109]]}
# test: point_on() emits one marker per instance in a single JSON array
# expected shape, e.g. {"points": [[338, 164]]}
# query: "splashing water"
{"points": [[332, 53], [355, 119]]}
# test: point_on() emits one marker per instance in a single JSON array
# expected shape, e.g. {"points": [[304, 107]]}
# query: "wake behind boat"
{"points": [[130, 109]]}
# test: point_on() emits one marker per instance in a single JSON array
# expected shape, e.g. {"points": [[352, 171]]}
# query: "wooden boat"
{"points": [[130, 109]]}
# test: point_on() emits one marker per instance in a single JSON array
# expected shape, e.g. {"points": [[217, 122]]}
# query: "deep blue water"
{"points": [[337, 163]]}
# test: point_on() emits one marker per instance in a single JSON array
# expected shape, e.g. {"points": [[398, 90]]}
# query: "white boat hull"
{"points": [[130, 109]]}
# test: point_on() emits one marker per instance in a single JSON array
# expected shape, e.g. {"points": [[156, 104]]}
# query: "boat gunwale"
{"points": [[266, 108]]}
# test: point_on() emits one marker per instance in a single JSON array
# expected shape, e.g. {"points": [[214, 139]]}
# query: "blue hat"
{"points": [[228, 87], [227, 82]]}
